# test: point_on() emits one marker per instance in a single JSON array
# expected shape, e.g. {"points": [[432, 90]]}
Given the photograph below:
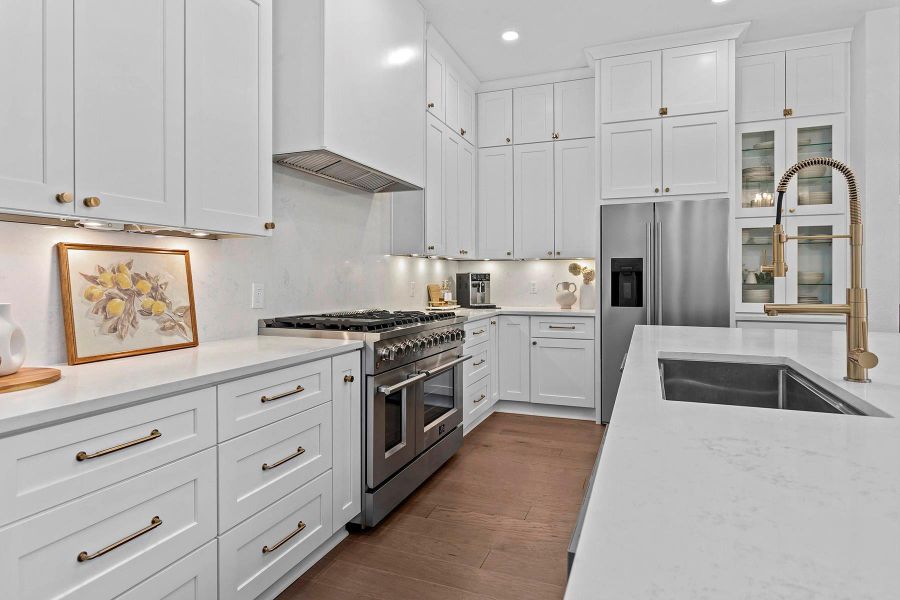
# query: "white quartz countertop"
{"points": [[710, 502], [88, 388], [473, 314]]}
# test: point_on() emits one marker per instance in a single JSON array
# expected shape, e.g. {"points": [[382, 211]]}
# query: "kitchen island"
{"points": [[702, 501]]}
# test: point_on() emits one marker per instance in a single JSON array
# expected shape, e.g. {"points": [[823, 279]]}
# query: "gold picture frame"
{"points": [[123, 301]]}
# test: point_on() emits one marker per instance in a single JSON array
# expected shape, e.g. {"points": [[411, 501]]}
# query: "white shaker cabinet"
{"points": [[450, 196], [229, 115], [631, 161], [514, 364], [37, 160], [533, 114], [574, 198], [129, 62], [434, 82], [760, 87], [495, 119], [631, 87], [434, 186], [495, 202], [695, 79], [573, 109], [816, 80], [495, 358], [533, 198], [695, 151], [464, 234], [451, 99], [466, 113], [562, 372], [347, 439]]}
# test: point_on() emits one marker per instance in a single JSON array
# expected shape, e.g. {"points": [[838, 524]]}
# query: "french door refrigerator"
{"points": [[663, 263]]}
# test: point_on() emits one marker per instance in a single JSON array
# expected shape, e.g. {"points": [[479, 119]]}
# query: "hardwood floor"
{"points": [[494, 522]]}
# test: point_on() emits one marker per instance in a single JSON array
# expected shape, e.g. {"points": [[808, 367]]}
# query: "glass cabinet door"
{"points": [[818, 189], [760, 164], [817, 272], [754, 249]]}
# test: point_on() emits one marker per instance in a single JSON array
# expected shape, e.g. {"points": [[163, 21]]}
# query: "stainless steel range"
{"points": [[413, 403]]}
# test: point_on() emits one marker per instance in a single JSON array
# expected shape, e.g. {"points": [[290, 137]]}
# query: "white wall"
{"points": [[875, 156], [328, 253], [511, 281]]}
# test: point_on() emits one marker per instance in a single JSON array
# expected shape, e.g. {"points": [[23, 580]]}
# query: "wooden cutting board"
{"points": [[28, 377]]}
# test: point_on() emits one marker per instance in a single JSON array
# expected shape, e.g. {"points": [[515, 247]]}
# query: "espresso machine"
{"points": [[473, 290]]}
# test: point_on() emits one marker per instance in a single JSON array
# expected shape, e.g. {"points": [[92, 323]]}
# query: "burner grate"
{"points": [[369, 320]]}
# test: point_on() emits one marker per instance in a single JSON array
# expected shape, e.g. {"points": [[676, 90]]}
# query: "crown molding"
{"points": [[736, 32]]}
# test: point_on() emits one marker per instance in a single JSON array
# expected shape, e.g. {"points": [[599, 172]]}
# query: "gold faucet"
{"points": [[859, 359]]}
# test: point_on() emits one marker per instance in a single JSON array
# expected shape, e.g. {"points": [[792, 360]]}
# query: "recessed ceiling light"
{"points": [[719, 1], [510, 36]]}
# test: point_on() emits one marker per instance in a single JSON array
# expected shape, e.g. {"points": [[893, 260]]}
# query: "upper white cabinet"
{"points": [[796, 83], [466, 112], [574, 198], [631, 87], [631, 156], [495, 202], [37, 160], [533, 194], [229, 115], [448, 87], [451, 99], [435, 133], [695, 79], [533, 114], [816, 80], [462, 237], [495, 118], [760, 87], [449, 193], [695, 151], [574, 109], [434, 82]]}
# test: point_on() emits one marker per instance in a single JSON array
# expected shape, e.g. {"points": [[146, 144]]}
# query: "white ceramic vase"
{"points": [[588, 299], [565, 294], [12, 342]]}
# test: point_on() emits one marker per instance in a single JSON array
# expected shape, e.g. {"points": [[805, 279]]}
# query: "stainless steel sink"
{"points": [[749, 384]]}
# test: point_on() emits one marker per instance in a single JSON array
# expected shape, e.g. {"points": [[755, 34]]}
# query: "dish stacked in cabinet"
{"points": [[480, 383], [141, 503]]}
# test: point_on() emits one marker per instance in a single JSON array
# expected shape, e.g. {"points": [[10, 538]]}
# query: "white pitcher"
{"points": [[12, 342], [566, 298]]}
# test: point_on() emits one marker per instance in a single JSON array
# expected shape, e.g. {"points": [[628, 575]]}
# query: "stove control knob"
{"points": [[384, 353], [458, 334], [392, 352], [419, 344]]}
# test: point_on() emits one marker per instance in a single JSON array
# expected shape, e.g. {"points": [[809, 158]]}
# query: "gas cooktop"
{"points": [[370, 320]]}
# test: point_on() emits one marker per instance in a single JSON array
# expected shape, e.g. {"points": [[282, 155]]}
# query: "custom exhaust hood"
{"points": [[349, 91]]}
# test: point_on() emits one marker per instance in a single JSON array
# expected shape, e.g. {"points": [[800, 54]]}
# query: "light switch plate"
{"points": [[532, 287], [412, 289], [258, 299]]}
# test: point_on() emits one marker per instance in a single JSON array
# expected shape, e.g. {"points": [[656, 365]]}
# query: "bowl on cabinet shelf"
{"points": [[810, 277]]}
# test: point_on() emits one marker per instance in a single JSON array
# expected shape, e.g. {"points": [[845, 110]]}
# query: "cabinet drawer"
{"points": [[121, 534], [477, 332], [259, 551], [262, 466], [248, 404], [476, 400], [479, 365], [563, 327], [41, 469], [194, 577]]}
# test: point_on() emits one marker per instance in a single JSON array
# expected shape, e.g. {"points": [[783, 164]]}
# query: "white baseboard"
{"points": [[546, 410], [303, 566]]}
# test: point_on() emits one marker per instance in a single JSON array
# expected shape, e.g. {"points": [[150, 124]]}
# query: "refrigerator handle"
{"points": [[649, 270], [658, 273]]}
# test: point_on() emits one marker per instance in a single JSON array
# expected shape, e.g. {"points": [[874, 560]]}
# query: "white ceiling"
{"points": [[554, 33]]}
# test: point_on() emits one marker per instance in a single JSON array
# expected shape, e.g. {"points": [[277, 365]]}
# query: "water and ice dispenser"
{"points": [[627, 282]]}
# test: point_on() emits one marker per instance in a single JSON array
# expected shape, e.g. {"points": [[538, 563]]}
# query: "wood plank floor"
{"points": [[494, 522]]}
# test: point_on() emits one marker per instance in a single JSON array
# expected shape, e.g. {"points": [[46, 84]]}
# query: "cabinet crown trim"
{"points": [[797, 42], [662, 42]]}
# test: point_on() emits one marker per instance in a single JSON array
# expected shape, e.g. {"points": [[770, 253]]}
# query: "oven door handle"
{"points": [[387, 390], [448, 366]]}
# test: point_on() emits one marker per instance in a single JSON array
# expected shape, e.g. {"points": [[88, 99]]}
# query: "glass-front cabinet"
{"points": [[817, 268], [768, 148]]}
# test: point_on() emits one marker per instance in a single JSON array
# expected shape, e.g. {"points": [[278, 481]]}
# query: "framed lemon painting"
{"points": [[122, 301]]}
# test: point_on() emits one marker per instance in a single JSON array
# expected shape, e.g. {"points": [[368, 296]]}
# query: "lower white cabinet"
{"points": [[476, 401], [262, 549], [513, 367], [194, 577], [346, 411], [562, 372]]}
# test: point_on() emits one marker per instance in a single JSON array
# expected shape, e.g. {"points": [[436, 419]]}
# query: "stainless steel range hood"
{"points": [[329, 165]]}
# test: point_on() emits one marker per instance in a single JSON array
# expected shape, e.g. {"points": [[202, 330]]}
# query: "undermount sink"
{"points": [[748, 384]]}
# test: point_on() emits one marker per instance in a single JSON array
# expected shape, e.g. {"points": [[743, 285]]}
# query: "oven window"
{"points": [[393, 420], [438, 396]]}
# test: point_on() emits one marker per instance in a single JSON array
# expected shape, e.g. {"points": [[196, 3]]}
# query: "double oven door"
{"points": [[409, 409]]}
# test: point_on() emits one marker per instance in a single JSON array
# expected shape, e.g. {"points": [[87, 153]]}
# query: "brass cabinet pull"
{"points": [[299, 389], [92, 201], [788, 112], [270, 225], [300, 527], [85, 456], [482, 397], [268, 467], [154, 523], [64, 197], [479, 332], [561, 326], [479, 363], [431, 105], [663, 111], [349, 378]]}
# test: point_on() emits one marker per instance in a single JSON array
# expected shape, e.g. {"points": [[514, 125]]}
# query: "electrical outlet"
{"points": [[412, 289], [258, 299], [532, 287]]}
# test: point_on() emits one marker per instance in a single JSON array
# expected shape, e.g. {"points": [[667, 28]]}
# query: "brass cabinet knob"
{"points": [[557, 252], [431, 105], [663, 111], [65, 197], [550, 253], [462, 131], [656, 190], [791, 210], [508, 253], [269, 225], [349, 378], [431, 247], [92, 201], [666, 190], [555, 136], [788, 112], [534, 343], [508, 140]]}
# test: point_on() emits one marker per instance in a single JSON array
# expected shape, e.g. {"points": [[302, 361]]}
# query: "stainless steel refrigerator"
{"points": [[663, 263]]}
